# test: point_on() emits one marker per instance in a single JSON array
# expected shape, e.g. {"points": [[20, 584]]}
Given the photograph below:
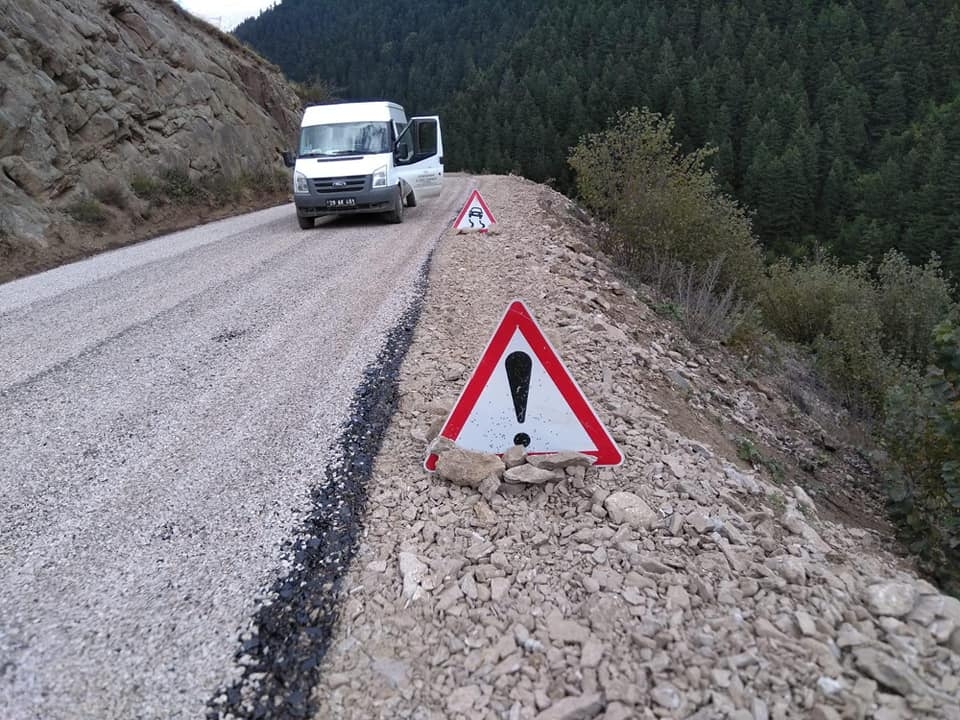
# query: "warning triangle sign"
{"points": [[522, 393], [475, 215]]}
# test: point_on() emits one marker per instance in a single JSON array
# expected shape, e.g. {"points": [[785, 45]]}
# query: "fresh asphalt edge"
{"points": [[281, 660]]}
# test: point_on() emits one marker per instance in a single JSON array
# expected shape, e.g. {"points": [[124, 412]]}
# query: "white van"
{"points": [[364, 157]]}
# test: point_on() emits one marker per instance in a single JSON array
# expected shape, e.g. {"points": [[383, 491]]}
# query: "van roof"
{"points": [[378, 110]]}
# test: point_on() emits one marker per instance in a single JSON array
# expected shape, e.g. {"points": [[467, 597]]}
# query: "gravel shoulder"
{"points": [[736, 593], [166, 412]]}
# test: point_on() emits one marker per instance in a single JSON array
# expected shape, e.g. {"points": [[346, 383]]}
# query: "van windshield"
{"points": [[345, 139]]}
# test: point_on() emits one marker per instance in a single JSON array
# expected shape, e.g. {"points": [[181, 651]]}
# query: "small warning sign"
{"points": [[475, 215], [521, 393]]}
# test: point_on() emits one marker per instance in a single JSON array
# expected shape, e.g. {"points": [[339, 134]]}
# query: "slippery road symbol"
{"points": [[475, 215]]}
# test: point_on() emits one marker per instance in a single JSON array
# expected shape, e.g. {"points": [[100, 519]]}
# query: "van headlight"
{"points": [[300, 183], [380, 177]]}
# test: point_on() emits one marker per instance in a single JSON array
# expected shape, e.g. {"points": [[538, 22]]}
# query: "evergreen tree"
{"points": [[836, 122]]}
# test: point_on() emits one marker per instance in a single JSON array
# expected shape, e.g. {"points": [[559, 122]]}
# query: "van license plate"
{"points": [[342, 202]]}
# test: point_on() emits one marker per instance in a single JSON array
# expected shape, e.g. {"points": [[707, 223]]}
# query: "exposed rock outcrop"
{"points": [[96, 92]]}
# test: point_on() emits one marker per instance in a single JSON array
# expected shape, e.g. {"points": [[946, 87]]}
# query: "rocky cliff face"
{"points": [[94, 93]]}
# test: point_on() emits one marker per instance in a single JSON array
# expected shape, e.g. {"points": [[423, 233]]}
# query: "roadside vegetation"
{"points": [[883, 332], [315, 91], [87, 211], [144, 194], [175, 185]]}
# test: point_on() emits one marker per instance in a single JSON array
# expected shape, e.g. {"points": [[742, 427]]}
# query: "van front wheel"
{"points": [[305, 222], [396, 214]]}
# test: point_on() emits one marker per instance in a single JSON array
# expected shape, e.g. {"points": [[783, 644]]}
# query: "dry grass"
{"points": [[705, 309]]}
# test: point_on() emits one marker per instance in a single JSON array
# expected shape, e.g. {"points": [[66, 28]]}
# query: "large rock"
{"points": [[579, 707], [561, 460], [893, 599], [515, 456], [412, 570], [531, 475], [566, 631], [630, 509], [790, 568], [889, 672], [796, 524], [468, 468]]}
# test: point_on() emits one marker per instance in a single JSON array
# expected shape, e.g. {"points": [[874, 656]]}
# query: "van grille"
{"points": [[351, 183]]}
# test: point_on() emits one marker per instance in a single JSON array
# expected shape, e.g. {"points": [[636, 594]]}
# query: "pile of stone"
{"points": [[511, 473], [514, 471]]}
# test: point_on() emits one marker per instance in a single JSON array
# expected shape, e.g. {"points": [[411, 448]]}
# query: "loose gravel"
{"points": [[168, 413]]}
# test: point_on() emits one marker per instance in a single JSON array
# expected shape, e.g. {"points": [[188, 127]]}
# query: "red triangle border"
{"points": [[466, 206], [518, 317]]}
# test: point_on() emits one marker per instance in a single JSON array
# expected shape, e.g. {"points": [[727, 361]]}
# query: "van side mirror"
{"points": [[402, 152], [289, 159]]}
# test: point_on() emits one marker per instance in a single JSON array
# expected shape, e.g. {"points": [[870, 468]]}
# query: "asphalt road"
{"points": [[164, 411]]}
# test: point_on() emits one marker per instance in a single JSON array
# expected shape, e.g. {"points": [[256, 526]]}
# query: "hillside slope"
{"points": [[730, 590], [96, 93]]}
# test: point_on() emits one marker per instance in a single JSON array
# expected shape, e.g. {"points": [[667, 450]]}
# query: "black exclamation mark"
{"points": [[518, 366]]}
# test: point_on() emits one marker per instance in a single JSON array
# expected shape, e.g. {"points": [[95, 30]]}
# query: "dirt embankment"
{"points": [[688, 582]]}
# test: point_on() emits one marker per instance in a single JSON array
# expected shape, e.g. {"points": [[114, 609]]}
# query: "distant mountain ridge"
{"points": [[838, 124]]}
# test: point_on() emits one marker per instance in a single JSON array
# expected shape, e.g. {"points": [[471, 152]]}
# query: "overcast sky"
{"points": [[226, 15]]}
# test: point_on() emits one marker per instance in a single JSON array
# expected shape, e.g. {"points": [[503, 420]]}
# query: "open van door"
{"points": [[419, 157]]}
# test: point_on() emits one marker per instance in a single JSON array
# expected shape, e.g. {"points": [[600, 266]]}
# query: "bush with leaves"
{"points": [[922, 431], [315, 91], [87, 211], [868, 329], [911, 300], [146, 188], [851, 359], [798, 301], [179, 186], [658, 201], [112, 193]]}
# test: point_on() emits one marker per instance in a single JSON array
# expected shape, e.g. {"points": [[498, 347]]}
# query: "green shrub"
{"points": [[748, 452], [911, 300], [866, 331], [922, 433], [833, 309], [315, 91], [177, 185], [749, 337], [797, 301], [87, 211], [657, 201], [146, 188], [851, 359], [263, 179], [222, 186], [111, 193]]}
